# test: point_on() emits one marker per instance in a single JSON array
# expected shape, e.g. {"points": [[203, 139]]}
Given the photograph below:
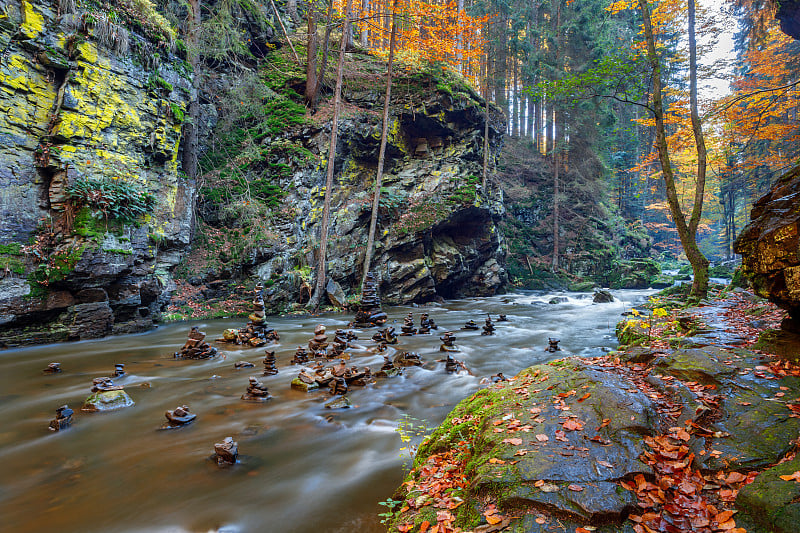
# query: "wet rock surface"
{"points": [[590, 442]]}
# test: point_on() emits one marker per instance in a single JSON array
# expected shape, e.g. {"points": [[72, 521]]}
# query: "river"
{"points": [[303, 468]]}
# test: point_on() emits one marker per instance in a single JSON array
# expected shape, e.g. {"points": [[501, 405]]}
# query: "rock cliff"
{"points": [[770, 246], [91, 101]]}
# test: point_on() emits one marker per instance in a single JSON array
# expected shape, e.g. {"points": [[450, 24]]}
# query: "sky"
{"points": [[721, 50]]}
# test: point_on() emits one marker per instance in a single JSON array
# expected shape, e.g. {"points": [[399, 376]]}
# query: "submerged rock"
{"points": [[107, 401], [602, 297]]}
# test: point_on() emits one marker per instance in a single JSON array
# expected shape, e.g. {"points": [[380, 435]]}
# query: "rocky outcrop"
{"points": [[770, 246], [579, 443], [84, 104], [436, 236]]}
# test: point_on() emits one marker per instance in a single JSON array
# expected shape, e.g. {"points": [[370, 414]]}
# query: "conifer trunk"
{"points": [[373, 221], [319, 286]]}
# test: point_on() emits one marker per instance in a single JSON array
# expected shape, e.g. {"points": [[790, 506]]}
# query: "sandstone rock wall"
{"points": [[770, 245], [72, 109]]}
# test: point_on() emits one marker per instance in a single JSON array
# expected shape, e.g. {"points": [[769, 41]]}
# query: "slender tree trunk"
{"points": [[485, 174], [190, 136], [319, 287], [323, 67], [687, 233], [364, 24], [291, 8], [311, 58], [285, 33], [515, 96], [555, 211], [373, 220]]}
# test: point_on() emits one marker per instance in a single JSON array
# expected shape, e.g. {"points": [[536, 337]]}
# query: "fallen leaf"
{"points": [[560, 435], [423, 527], [494, 519], [549, 487], [540, 520], [540, 437], [514, 441], [521, 452], [582, 398], [572, 425], [790, 477], [495, 460], [605, 464], [576, 488]]}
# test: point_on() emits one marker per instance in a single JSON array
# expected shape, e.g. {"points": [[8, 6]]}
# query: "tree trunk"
{"points": [[323, 67], [555, 212], [291, 8], [190, 136], [311, 58], [319, 286], [687, 233], [373, 220], [364, 24]]}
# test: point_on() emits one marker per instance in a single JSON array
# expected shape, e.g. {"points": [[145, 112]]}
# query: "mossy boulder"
{"points": [[107, 401], [771, 502]]}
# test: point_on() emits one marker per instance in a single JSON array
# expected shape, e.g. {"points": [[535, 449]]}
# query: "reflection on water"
{"points": [[303, 468]]}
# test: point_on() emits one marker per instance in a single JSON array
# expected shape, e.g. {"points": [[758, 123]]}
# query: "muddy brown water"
{"points": [[303, 468]]}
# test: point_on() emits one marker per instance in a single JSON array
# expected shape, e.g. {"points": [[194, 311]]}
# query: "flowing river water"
{"points": [[303, 468]]}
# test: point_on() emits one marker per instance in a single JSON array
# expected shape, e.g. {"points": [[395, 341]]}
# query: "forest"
{"points": [[508, 265]]}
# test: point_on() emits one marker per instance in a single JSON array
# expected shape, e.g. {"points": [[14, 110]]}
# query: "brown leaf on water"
{"points": [[560, 435], [572, 425], [513, 441], [540, 437]]}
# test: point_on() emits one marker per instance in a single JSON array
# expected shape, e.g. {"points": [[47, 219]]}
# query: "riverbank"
{"points": [[690, 429]]}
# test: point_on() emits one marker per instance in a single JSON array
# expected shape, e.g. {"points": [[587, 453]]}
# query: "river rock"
{"points": [[107, 401], [335, 293], [602, 297]]}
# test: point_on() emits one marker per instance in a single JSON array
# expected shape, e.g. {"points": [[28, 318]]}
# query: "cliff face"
{"points": [[83, 102], [95, 100], [436, 229], [770, 246]]}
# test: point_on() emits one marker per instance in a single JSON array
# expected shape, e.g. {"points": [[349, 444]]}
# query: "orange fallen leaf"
{"points": [[581, 530], [795, 476], [495, 460], [423, 527], [542, 437], [572, 425], [582, 398], [540, 520], [575, 488], [539, 483], [513, 442], [493, 519]]}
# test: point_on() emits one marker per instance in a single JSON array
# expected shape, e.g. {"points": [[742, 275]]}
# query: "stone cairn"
{"points": [[385, 335], [552, 345], [448, 342], [300, 356], [369, 312], [256, 332], [178, 417], [319, 344], [407, 359], [408, 326], [119, 370], [226, 452], [63, 418], [338, 386], [269, 363], [471, 325], [104, 385], [388, 369], [453, 365], [339, 345], [52, 368], [488, 328], [502, 318], [243, 364], [256, 391], [195, 348], [426, 324]]}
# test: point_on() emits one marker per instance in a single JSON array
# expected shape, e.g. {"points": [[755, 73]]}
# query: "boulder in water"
{"points": [[602, 297], [108, 400]]}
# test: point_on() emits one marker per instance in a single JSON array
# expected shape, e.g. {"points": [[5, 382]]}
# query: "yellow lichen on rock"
{"points": [[32, 22]]}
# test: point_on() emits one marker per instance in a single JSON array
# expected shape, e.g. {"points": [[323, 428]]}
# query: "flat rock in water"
{"points": [[588, 447], [107, 401], [342, 402], [299, 384]]}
